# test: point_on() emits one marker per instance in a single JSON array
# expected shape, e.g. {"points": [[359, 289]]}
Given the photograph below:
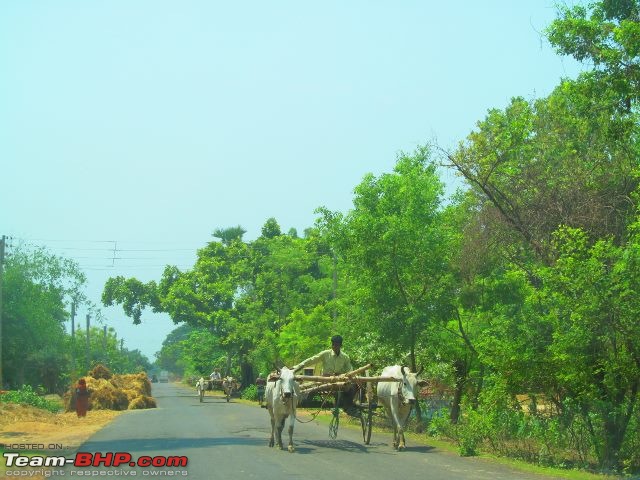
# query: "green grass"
{"points": [[28, 396], [452, 448]]}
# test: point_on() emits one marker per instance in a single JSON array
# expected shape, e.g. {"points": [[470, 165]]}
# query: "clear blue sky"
{"points": [[151, 123]]}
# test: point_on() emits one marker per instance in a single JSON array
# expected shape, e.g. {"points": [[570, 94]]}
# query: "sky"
{"points": [[131, 130]]}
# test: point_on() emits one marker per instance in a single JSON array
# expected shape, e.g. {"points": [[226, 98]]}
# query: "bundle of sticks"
{"points": [[310, 384]]}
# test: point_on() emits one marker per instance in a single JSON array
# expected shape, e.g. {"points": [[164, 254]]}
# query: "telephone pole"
{"points": [[2, 245], [73, 336], [88, 361], [334, 293], [104, 345]]}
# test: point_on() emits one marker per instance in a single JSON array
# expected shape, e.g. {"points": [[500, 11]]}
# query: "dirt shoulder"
{"points": [[30, 430]]}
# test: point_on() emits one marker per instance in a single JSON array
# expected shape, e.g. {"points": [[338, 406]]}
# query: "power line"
{"points": [[79, 240]]}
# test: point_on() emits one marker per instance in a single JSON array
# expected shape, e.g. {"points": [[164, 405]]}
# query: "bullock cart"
{"points": [[208, 384], [228, 385], [215, 384], [334, 388]]}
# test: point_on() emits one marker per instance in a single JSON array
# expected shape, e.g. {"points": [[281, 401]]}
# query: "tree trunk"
{"points": [[616, 422], [478, 390], [246, 371], [414, 368], [460, 369]]}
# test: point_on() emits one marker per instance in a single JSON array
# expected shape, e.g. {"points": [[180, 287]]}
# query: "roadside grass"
{"points": [[451, 448], [323, 416]]}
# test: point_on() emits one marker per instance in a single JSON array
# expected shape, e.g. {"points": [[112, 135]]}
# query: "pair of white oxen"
{"points": [[398, 397], [229, 385]]}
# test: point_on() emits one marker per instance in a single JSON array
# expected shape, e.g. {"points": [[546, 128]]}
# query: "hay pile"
{"points": [[114, 392]]}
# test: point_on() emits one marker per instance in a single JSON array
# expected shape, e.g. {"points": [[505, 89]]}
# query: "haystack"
{"points": [[114, 392]]}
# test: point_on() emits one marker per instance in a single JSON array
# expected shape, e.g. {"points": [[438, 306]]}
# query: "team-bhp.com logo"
{"points": [[98, 459]]}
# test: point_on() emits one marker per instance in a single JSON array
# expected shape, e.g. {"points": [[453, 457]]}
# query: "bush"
{"points": [[250, 393], [440, 425], [471, 433], [28, 396]]}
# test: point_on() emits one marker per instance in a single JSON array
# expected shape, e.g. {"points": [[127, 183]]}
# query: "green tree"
{"points": [[36, 289], [172, 355], [104, 349], [230, 234], [591, 300], [271, 228], [397, 249], [605, 34]]}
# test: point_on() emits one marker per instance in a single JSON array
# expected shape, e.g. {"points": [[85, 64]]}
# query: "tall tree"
{"points": [[590, 299], [396, 248], [37, 288], [606, 34]]}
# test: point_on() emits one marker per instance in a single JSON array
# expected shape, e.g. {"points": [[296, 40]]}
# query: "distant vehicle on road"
{"points": [[164, 376], [154, 378]]}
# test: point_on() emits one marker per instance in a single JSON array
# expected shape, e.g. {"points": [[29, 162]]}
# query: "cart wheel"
{"points": [[335, 419], [366, 419]]}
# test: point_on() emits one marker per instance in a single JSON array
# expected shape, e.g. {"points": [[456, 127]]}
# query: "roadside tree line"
{"points": [[39, 289], [523, 285]]}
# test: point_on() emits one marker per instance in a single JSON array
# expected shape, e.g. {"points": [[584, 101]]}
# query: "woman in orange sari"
{"points": [[82, 398]]}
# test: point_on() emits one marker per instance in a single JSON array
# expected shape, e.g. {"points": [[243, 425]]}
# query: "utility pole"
{"points": [[2, 244], [104, 344], [334, 293], [88, 360], [73, 336]]}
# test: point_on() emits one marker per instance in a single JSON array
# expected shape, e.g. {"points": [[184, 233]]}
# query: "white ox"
{"points": [[201, 386], [229, 385], [281, 397], [398, 398]]}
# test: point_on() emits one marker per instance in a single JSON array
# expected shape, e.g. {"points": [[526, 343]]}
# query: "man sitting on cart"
{"points": [[334, 362]]}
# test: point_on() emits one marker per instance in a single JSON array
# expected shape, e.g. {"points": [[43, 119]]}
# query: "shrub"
{"points": [[28, 396], [250, 393], [471, 432]]}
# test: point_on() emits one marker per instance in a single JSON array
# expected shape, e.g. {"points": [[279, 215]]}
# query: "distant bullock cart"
{"points": [[229, 385]]}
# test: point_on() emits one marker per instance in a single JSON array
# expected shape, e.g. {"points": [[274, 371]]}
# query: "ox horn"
{"points": [[420, 370]]}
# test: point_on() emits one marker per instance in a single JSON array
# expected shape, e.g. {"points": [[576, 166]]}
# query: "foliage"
{"points": [[396, 248], [36, 287], [28, 396], [304, 334], [606, 34], [250, 393], [104, 348], [132, 294], [525, 285]]}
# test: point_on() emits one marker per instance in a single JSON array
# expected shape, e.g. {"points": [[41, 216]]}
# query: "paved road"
{"points": [[229, 441]]}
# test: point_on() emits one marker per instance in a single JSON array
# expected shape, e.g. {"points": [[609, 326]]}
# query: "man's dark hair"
{"points": [[336, 339]]}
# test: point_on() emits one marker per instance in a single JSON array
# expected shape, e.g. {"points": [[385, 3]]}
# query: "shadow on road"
{"points": [[172, 444], [343, 445], [212, 400], [419, 449]]}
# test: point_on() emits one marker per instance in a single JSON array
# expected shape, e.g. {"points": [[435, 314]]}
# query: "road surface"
{"points": [[229, 441]]}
